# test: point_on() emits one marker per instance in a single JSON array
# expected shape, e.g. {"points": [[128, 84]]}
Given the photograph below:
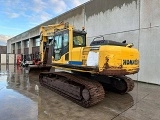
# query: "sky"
{"points": [[17, 16]]}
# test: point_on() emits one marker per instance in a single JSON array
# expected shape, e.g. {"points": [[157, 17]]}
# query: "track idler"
{"points": [[80, 90], [122, 84]]}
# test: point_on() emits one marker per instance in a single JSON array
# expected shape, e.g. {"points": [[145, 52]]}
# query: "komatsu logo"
{"points": [[130, 62]]}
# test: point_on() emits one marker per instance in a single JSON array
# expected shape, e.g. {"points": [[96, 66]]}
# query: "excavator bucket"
{"points": [[38, 68]]}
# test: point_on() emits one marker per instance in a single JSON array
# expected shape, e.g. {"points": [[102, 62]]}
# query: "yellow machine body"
{"points": [[102, 58]]}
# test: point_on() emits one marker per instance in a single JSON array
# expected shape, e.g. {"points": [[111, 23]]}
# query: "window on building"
{"points": [[37, 42], [26, 44], [13, 46], [19, 45]]}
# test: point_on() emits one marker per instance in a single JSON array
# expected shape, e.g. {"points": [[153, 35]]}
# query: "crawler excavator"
{"points": [[92, 67]]}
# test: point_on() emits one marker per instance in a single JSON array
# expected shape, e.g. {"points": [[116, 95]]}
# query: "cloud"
{"points": [[44, 10], [3, 39], [12, 14], [41, 10], [38, 6], [77, 2], [34, 12], [45, 16], [49, 8], [3, 43], [14, 9], [40, 18], [59, 6]]}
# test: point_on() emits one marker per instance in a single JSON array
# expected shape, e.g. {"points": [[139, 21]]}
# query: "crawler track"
{"points": [[81, 90]]}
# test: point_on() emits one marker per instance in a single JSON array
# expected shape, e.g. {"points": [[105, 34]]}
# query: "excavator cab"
{"points": [[65, 43]]}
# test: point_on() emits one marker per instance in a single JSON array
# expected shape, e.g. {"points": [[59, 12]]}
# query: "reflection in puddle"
{"points": [[15, 99], [16, 105], [22, 97]]}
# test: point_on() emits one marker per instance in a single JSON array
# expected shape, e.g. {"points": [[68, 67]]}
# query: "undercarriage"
{"points": [[87, 90], [81, 90]]}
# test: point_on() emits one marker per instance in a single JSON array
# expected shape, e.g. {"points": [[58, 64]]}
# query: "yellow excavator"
{"points": [[92, 68]]}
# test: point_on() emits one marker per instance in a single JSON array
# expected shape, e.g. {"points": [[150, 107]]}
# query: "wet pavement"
{"points": [[22, 98]]}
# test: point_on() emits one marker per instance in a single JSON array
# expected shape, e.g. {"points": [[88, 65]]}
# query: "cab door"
{"points": [[61, 47]]}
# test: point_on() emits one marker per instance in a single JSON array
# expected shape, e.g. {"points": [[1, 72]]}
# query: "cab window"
{"points": [[79, 39], [65, 39], [58, 42], [61, 44]]}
